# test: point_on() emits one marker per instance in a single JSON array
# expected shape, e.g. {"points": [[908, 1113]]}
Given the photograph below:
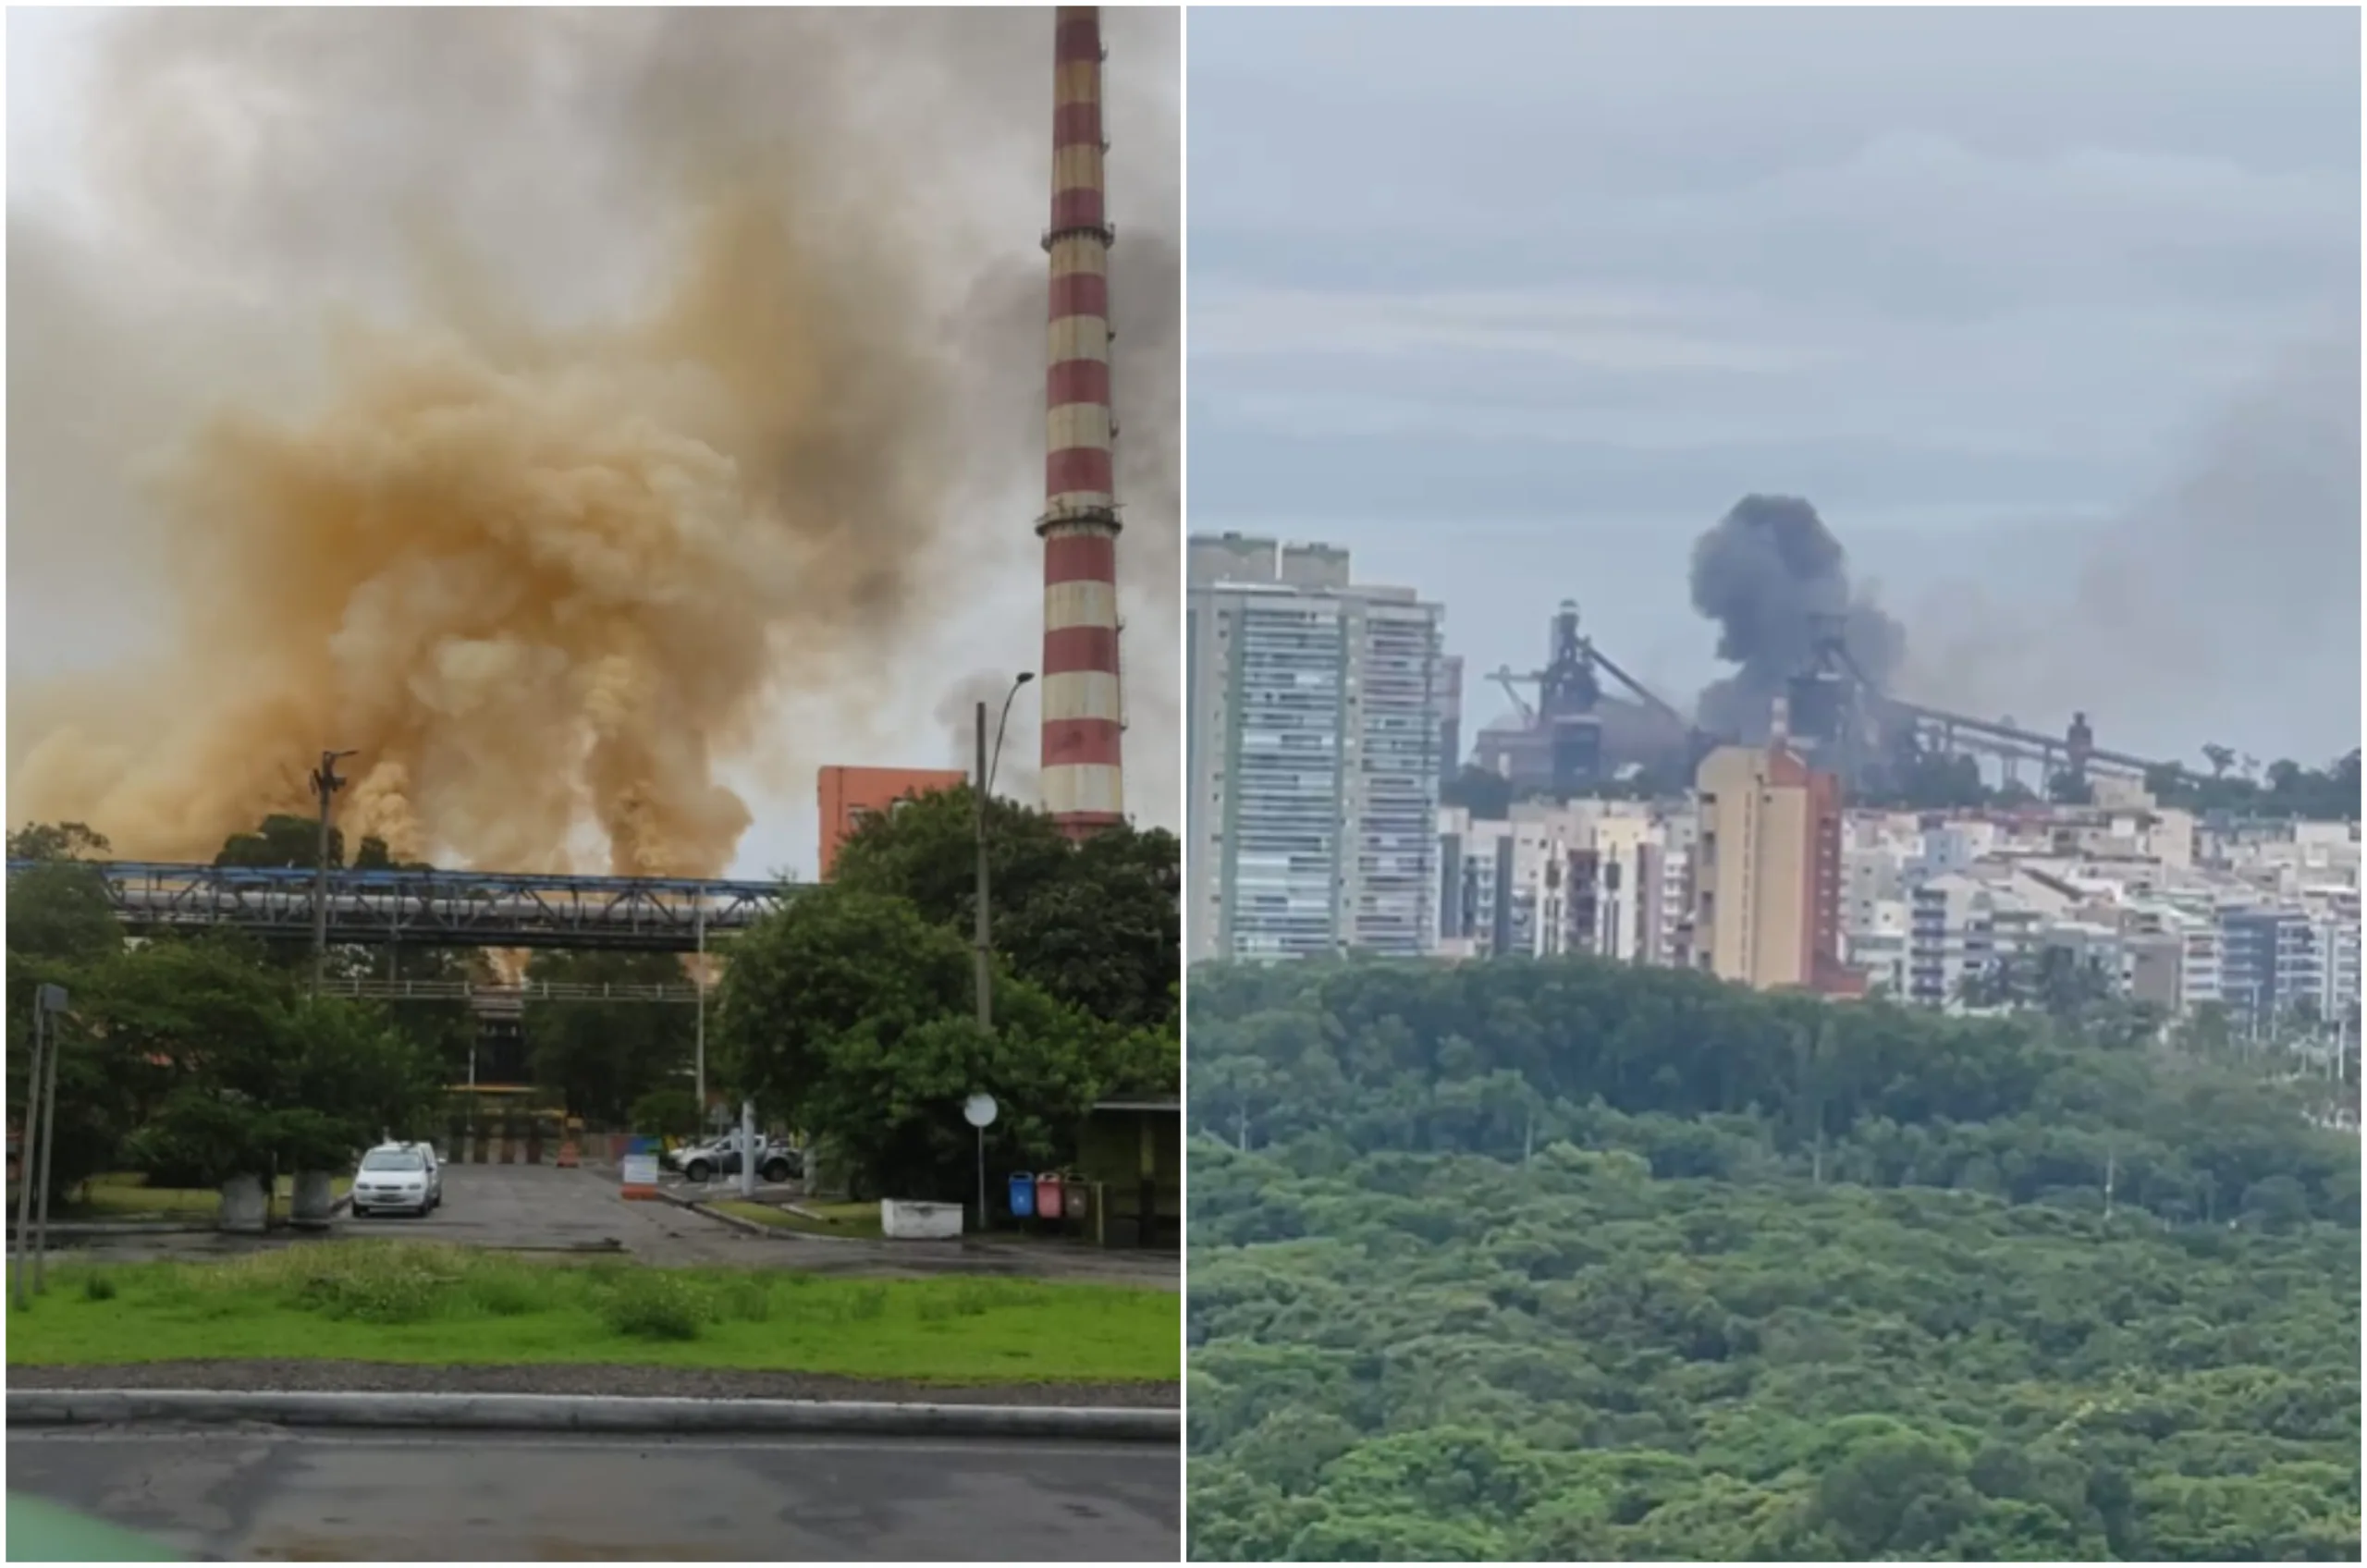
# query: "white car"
{"points": [[397, 1179]]}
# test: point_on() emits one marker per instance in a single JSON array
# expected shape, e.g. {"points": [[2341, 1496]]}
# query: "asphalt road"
{"points": [[266, 1494]]}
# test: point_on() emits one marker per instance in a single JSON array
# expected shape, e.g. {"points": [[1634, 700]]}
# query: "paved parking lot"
{"points": [[536, 1207], [517, 1206]]}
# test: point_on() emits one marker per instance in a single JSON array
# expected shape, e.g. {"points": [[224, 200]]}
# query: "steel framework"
{"points": [[496, 997], [440, 909]]}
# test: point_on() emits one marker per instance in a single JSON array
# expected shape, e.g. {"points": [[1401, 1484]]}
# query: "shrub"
{"points": [[503, 1293], [654, 1307], [375, 1281]]}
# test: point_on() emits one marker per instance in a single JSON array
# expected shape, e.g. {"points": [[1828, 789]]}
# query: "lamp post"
{"points": [[326, 784], [983, 936]]}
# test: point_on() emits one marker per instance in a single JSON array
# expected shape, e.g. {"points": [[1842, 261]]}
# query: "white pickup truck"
{"points": [[776, 1161]]}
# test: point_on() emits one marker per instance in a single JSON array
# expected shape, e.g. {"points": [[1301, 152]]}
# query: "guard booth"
{"points": [[1131, 1152]]}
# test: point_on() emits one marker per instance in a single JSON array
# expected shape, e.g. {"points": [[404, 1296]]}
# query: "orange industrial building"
{"points": [[853, 795]]}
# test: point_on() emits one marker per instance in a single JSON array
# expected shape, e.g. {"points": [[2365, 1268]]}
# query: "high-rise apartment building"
{"points": [[1313, 707], [1450, 715], [1766, 885], [1579, 877], [2272, 967]]}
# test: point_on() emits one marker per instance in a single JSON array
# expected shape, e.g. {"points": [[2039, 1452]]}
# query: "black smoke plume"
{"points": [[1776, 581]]}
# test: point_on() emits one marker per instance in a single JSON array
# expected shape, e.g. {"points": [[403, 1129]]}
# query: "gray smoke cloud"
{"points": [[2222, 609], [957, 714], [1774, 578], [537, 401]]}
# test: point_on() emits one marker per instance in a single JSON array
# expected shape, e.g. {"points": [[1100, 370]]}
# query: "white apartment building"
{"points": [[1585, 876], [2173, 955], [1312, 734], [1879, 945], [1963, 925]]}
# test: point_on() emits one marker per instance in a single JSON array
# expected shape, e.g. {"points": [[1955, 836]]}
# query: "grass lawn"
{"points": [[819, 1218], [127, 1195], [405, 1302]]}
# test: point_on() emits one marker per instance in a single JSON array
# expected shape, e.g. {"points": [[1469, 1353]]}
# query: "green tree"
{"points": [[1771, 1279], [229, 1070], [1097, 924], [443, 1027], [57, 841], [668, 1114], [604, 1057], [852, 1014], [283, 842]]}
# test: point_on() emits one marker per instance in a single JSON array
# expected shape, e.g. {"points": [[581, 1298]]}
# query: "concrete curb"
{"points": [[790, 1233], [754, 1227], [99, 1229], [572, 1412]]}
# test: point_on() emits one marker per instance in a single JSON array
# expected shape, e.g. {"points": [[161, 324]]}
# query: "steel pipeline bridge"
{"points": [[440, 909], [504, 997]]}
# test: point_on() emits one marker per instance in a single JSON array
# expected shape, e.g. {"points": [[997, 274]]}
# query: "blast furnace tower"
{"points": [[1082, 715]]}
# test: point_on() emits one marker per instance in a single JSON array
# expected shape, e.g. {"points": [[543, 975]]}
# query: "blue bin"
{"points": [[1023, 1195]]}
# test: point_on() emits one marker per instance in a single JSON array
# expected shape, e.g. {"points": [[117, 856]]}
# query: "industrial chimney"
{"points": [[1082, 719]]}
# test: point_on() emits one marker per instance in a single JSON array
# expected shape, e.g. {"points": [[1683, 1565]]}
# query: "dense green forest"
{"points": [[1573, 1261]]}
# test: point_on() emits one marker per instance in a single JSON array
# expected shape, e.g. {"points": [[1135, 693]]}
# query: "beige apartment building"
{"points": [[1767, 887]]}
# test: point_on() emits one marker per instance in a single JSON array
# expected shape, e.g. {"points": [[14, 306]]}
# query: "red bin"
{"points": [[1048, 1194]]}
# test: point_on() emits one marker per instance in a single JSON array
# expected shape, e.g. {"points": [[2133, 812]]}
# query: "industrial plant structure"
{"points": [[1083, 716], [1575, 735]]}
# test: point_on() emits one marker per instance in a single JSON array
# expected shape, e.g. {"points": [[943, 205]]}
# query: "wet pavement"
{"points": [[266, 1494]]}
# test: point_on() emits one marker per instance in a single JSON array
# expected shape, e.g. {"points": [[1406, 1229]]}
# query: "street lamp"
{"points": [[985, 783], [326, 784]]}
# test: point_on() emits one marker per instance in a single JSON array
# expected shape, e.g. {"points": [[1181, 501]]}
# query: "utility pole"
{"points": [[699, 979], [40, 1128], [982, 935], [28, 1146], [982, 973], [326, 784]]}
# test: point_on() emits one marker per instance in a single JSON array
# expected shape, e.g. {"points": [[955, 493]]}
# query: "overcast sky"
{"points": [[1514, 304]]}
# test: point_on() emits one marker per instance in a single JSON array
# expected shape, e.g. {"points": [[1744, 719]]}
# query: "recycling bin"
{"points": [[1048, 1194], [1023, 1195], [1076, 1196]]}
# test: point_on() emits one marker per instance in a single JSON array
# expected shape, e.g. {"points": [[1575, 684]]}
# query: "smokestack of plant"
{"points": [[1776, 581]]}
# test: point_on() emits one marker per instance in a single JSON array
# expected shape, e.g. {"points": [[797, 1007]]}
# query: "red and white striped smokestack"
{"points": [[1081, 713]]}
